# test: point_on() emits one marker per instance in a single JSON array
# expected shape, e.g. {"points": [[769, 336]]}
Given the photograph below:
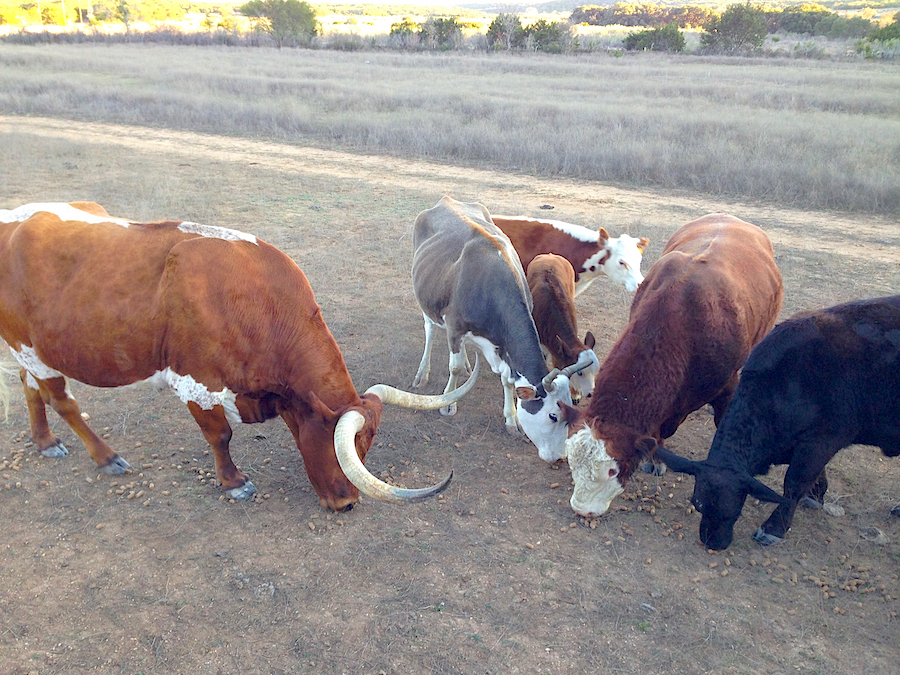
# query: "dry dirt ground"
{"points": [[154, 573]]}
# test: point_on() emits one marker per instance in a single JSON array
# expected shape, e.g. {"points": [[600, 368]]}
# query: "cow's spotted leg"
{"points": [[217, 433], [53, 391], [509, 409]]}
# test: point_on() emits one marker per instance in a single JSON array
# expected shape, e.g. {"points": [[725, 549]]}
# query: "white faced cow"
{"points": [[551, 281], [227, 321], [591, 253], [713, 294], [468, 280]]}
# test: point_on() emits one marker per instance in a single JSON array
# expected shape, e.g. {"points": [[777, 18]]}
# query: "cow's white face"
{"points": [[542, 420], [624, 262], [582, 382], [594, 472]]}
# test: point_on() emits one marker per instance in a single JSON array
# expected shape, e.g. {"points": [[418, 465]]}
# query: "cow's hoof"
{"points": [[245, 491], [653, 468], [810, 503], [55, 450], [116, 467], [449, 409], [766, 539]]}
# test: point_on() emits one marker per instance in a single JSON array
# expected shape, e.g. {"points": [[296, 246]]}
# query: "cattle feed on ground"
{"points": [[713, 294], [226, 320], [551, 281], [819, 382], [468, 280], [590, 252]]}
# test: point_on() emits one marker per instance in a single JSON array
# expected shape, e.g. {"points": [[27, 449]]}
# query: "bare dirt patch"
{"points": [[154, 573]]}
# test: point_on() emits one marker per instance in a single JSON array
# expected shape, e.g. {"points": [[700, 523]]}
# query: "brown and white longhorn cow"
{"points": [[715, 292], [551, 280], [227, 321], [591, 253]]}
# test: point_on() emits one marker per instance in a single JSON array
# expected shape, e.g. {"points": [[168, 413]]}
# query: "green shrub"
{"points": [[661, 39]]}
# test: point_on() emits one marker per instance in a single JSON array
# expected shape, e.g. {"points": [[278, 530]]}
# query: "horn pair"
{"points": [[351, 422], [568, 371]]}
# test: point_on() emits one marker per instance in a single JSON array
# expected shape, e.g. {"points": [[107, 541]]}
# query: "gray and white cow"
{"points": [[468, 280]]}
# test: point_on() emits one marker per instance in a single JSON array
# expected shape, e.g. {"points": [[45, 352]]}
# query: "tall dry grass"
{"points": [[811, 134]]}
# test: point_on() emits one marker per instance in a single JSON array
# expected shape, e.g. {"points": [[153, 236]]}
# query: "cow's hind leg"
{"points": [[217, 433], [53, 391], [816, 497]]}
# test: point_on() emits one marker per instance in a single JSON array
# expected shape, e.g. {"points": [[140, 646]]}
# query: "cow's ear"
{"points": [[764, 493], [525, 393], [643, 243], [318, 407], [589, 340], [603, 234], [677, 463], [570, 414]]}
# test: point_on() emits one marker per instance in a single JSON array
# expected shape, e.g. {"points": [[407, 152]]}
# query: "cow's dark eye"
{"points": [[553, 418], [623, 264]]}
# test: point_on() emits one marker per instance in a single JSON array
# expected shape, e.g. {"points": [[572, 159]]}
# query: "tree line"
{"points": [[740, 27]]}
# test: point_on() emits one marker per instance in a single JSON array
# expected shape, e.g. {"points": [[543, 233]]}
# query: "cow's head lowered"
{"points": [[719, 496], [602, 458], [355, 430]]}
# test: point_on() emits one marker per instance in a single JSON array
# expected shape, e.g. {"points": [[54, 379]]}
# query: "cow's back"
{"points": [[713, 294], [456, 247]]}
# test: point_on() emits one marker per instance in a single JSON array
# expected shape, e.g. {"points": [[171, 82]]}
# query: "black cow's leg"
{"points": [[805, 475], [816, 497]]}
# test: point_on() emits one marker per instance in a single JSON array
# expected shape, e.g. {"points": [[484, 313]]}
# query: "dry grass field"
{"points": [[154, 573]]}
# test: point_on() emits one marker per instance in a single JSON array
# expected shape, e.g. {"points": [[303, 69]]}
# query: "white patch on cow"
{"points": [[29, 360], [215, 232], [60, 210], [31, 382], [594, 472], [188, 389], [578, 232], [547, 428]]}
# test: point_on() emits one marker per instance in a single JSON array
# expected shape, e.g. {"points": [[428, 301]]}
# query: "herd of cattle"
{"points": [[230, 323]]}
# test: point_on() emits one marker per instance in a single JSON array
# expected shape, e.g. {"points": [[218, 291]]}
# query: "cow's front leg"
{"points": [[457, 368], [425, 364], [509, 408], [53, 391], [804, 476], [217, 433]]}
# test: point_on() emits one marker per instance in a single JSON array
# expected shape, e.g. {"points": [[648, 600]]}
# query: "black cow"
{"points": [[817, 383]]}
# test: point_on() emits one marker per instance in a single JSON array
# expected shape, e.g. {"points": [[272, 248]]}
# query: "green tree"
{"points": [[740, 27], [660, 39], [889, 32], [284, 20], [545, 36], [441, 33], [505, 32]]}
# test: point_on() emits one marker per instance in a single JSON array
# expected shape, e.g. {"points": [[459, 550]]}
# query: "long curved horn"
{"points": [[345, 447], [576, 367], [407, 399], [548, 380]]}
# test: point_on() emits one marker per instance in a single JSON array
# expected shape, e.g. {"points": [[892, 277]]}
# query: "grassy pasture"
{"points": [[806, 134]]}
